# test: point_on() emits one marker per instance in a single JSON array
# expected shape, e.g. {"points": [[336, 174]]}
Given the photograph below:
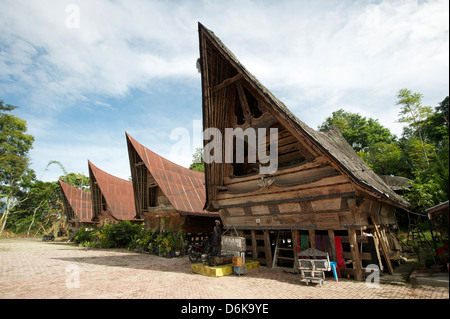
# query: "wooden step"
{"points": [[286, 258]]}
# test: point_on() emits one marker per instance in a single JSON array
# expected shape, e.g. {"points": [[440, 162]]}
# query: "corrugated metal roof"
{"points": [[118, 193], [438, 209], [184, 188], [79, 201]]}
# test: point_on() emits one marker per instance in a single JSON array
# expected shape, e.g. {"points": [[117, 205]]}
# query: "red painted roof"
{"points": [[184, 188], [118, 193], [79, 201]]}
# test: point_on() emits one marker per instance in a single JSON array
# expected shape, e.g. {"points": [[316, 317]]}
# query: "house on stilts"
{"points": [[77, 206], [321, 194], [167, 195], [112, 197]]}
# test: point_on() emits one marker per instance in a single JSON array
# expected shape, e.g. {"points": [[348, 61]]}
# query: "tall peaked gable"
{"points": [[117, 193], [184, 188], [78, 202], [220, 68]]}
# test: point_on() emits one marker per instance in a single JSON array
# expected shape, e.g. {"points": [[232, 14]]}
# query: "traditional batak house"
{"points": [[320, 195], [168, 195], [112, 197], [438, 217], [77, 206]]}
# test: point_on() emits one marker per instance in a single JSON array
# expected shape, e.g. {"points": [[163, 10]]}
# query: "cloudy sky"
{"points": [[85, 72]]}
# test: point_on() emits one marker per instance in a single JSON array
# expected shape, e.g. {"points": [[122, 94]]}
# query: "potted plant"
{"points": [[420, 267], [438, 267]]}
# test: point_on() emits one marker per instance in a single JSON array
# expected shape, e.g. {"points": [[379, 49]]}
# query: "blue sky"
{"points": [[130, 66]]}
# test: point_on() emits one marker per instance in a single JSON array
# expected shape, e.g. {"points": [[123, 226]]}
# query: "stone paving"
{"points": [[32, 269]]}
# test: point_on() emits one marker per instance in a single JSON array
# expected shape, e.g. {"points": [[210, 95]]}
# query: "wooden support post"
{"points": [[295, 247], [254, 244], [356, 260], [383, 247], [332, 244], [243, 100], [268, 248], [312, 238], [227, 82]]}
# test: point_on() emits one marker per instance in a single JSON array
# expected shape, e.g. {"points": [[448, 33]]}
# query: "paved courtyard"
{"points": [[30, 269]]}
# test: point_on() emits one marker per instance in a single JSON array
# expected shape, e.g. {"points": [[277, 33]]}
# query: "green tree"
{"points": [[40, 212], [415, 114], [359, 131], [419, 153], [384, 158], [425, 146], [198, 163], [78, 180], [435, 127], [15, 174], [374, 143]]}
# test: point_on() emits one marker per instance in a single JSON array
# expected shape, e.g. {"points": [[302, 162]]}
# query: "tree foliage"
{"points": [[413, 113], [40, 212], [77, 180], [421, 153], [198, 163], [359, 131], [15, 174]]}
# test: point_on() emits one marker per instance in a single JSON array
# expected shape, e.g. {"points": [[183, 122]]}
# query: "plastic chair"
{"points": [[334, 265]]}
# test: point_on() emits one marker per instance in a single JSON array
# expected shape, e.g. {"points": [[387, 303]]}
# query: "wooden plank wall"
{"points": [[294, 198]]}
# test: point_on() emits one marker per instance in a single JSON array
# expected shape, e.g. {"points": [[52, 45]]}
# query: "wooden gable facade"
{"points": [[168, 195], [322, 194], [112, 197], [77, 206]]}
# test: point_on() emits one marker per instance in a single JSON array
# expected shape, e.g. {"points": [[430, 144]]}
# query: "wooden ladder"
{"points": [[279, 248]]}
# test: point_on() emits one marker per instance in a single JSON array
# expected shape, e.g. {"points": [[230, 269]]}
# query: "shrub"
{"points": [[132, 236], [119, 235], [86, 234]]}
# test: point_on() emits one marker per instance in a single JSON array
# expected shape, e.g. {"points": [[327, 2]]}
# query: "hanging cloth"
{"points": [[303, 242], [339, 252], [319, 242]]}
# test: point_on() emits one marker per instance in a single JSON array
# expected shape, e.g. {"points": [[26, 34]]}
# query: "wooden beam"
{"points": [[268, 248], [295, 247], [227, 82], [332, 244], [383, 246], [254, 244], [356, 260], [312, 238], [243, 101]]}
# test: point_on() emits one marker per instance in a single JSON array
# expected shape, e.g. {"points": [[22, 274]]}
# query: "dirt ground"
{"points": [[33, 269]]}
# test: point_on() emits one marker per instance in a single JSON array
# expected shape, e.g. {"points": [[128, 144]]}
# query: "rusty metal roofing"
{"points": [[439, 209], [118, 193], [79, 202], [184, 188]]}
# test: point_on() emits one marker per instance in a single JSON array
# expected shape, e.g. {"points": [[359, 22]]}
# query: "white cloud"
{"points": [[314, 56], [103, 56]]}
